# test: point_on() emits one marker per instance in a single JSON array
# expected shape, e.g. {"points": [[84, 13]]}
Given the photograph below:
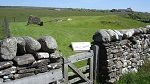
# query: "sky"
{"points": [[136, 5]]}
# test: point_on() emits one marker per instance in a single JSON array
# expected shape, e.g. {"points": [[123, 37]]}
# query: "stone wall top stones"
{"points": [[104, 35]]}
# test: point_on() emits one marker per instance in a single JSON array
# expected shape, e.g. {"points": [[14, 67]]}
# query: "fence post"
{"points": [[14, 19], [95, 49], [65, 71], [91, 65], [6, 29]]}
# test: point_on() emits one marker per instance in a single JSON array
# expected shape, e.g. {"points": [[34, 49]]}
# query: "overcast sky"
{"points": [[137, 5]]}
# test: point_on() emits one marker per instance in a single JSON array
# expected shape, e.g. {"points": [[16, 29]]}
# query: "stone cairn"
{"points": [[121, 51], [24, 56]]}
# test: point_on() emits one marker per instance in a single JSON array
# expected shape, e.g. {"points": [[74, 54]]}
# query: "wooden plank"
{"points": [[91, 69], [78, 72], [65, 71], [82, 69], [76, 79], [42, 78], [79, 57]]}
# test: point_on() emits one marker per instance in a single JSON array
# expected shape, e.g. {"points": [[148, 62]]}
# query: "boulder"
{"points": [[48, 44], [101, 36], [120, 35], [127, 33], [32, 45], [21, 45], [113, 35], [8, 48], [24, 59]]}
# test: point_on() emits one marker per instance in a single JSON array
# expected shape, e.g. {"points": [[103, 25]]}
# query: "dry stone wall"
{"points": [[121, 51], [25, 56]]}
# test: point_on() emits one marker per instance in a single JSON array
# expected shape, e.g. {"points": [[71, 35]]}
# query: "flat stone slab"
{"points": [[8, 71], [5, 64], [24, 59]]}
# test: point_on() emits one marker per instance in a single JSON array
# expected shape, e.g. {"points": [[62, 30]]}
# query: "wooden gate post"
{"points": [[95, 49]]}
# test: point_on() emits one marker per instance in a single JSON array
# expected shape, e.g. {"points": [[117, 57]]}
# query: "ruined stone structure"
{"points": [[34, 20], [120, 52]]}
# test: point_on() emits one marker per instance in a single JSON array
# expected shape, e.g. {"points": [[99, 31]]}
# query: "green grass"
{"points": [[21, 14], [81, 28], [142, 77]]}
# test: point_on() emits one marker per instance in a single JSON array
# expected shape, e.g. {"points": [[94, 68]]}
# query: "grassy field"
{"points": [[80, 28], [21, 14]]}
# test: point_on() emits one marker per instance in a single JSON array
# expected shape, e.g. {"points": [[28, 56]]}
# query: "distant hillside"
{"points": [[20, 13]]}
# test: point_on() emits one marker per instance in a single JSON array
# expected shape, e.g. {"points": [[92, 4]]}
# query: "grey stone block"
{"points": [[32, 45], [101, 36], [24, 59], [1, 80], [21, 45], [5, 64], [8, 71], [18, 76], [112, 34], [48, 43], [40, 63], [8, 48], [42, 55], [30, 70]]}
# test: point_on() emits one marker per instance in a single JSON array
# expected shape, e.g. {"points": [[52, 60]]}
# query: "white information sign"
{"points": [[81, 46]]}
